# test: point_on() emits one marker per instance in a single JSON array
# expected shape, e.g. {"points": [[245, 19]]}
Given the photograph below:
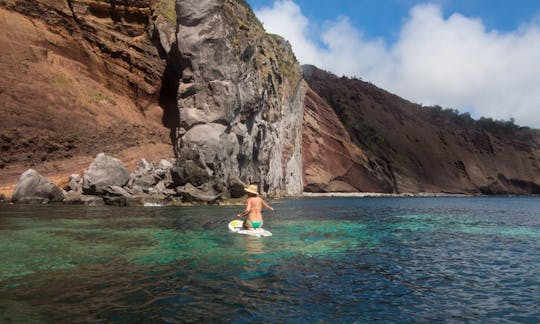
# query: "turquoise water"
{"points": [[329, 260]]}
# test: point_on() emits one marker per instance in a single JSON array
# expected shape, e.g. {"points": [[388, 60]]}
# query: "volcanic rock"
{"points": [[104, 171], [405, 147], [34, 188]]}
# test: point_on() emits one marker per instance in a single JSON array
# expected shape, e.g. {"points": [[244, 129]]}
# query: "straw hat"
{"points": [[251, 189]]}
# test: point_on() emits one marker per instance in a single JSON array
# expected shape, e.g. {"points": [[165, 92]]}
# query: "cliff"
{"points": [[78, 78], [238, 108], [203, 82], [200, 80], [396, 146]]}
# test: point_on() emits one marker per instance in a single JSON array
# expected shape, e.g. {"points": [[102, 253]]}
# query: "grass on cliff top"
{"points": [[166, 8]]}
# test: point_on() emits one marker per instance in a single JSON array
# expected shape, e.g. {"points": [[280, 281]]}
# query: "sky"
{"points": [[477, 56]]}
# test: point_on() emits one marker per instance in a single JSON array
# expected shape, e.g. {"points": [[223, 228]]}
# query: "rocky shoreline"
{"points": [[386, 195], [107, 182], [165, 183]]}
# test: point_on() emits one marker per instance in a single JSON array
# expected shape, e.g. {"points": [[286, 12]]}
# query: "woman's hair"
{"points": [[249, 194]]}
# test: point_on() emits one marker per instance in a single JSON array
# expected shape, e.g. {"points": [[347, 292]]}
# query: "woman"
{"points": [[254, 205]]}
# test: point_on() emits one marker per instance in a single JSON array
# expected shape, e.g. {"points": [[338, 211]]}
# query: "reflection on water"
{"points": [[391, 259]]}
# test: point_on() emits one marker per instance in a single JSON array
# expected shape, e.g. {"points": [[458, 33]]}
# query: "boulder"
{"points": [[76, 198], [121, 201], [144, 181], [143, 167], [35, 188], [104, 171], [236, 188], [75, 183], [118, 191], [163, 171], [190, 193], [189, 171]]}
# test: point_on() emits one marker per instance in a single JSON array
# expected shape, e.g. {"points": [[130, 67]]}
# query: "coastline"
{"points": [[383, 195]]}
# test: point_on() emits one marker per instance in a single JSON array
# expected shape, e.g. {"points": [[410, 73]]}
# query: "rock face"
{"points": [[103, 173], [380, 142], [332, 162], [78, 77], [202, 75], [239, 93], [34, 188]]}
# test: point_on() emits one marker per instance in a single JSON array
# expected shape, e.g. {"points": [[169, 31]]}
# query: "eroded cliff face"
{"points": [[408, 148], [239, 97], [331, 161], [78, 78], [85, 76]]}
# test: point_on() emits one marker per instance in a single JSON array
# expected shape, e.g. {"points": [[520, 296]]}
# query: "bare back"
{"points": [[254, 206]]}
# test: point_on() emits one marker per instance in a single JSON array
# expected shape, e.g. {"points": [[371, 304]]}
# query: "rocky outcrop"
{"points": [[239, 95], [404, 147], [104, 172], [34, 188]]}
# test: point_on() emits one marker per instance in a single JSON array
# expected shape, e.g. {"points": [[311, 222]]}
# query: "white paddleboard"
{"points": [[236, 227]]}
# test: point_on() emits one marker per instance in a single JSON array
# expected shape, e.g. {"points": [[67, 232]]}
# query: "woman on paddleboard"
{"points": [[254, 205]]}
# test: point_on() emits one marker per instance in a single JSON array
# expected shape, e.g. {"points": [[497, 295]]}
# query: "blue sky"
{"points": [[383, 18], [478, 56]]}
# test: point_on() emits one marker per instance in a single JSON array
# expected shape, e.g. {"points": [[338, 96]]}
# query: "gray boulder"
{"points": [[190, 193], [118, 191], [189, 172], [122, 201], [35, 188], [105, 171], [76, 198], [145, 181], [236, 188], [143, 167], [75, 183]]}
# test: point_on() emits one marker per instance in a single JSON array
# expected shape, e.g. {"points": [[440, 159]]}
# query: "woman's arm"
{"points": [[246, 211], [266, 205]]}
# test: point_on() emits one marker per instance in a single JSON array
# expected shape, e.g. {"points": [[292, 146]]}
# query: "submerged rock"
{"points": [[35, 188], [104, 171]]}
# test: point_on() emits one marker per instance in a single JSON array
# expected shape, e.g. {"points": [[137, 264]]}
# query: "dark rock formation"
{"points": [[404, 147], [239, 97], [34, 188], [103, 173]]}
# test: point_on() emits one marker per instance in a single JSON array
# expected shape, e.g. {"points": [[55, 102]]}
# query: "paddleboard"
{"points": [[236, 227]]}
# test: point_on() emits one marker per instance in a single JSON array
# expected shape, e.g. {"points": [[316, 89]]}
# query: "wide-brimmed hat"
{"points": [[251, 189]]}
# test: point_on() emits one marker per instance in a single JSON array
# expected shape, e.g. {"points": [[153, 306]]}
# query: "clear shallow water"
{"points": [[330, 260]]}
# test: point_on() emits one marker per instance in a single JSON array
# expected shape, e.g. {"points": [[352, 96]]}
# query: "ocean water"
{"points": [[329, 260]]}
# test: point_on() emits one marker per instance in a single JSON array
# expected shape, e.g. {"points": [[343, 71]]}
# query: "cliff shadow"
{"points": [[170, 81]]}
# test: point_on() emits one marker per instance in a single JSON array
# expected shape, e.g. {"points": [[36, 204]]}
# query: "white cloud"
{"points": [[453, 62]]}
